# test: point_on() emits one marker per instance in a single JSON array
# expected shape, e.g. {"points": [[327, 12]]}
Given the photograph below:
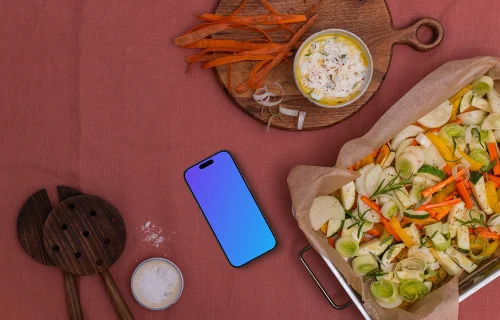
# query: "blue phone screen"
{"points": [[230, 208]]}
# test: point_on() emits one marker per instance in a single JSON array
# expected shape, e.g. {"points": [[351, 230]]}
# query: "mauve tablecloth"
{"points": [[93, 95]]}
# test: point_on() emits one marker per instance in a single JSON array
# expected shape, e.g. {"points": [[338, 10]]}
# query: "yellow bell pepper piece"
{"points": [[492, 247], [364, 162], [401, 232], [443, 149], [324, 228], [474, 165], [383, 154], [458, 96], [454, 109], [492, 196]]}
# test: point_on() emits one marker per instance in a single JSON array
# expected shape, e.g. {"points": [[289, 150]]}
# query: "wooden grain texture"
{"points": [[369, 19], [84, 235], [118, 301], [70, 286], [30, 222]]}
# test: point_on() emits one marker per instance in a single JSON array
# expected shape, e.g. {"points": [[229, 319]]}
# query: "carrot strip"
{"points": [[443, 213], [439, 204], [201, 33], [313, 8], [447, 169], [383, 220], [230, 59], [494, 179], [262, 19], [210, 43], [268, 6], [271, 50], [282, 55], [331, 242], [462, 191], [441, 185], [374, 233], [255, 69], [480, 231], [451, 196], [250, 27], [492, 149], [239, 9], [432, 213]]}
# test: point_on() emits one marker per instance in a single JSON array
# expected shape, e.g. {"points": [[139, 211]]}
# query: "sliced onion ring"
{"points": [[300, 122], [468, 133], [262, 96], [455, 169], [289, 112]]}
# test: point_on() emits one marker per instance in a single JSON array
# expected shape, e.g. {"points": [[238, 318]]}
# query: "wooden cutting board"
{"points": [[368, 19]]}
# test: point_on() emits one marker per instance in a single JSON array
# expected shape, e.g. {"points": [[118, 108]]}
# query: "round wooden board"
{"points": [[368, 19]]}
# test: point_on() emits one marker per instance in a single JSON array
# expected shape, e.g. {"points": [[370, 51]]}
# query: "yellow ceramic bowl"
{"points": [[354, 43]]}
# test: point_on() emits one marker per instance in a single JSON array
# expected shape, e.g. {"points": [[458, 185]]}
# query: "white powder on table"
{"points": [[151, 234], [157, 284]]}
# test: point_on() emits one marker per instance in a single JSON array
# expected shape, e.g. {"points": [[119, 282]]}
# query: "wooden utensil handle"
{"points": [[72, 297], [409, 35], [113, 291]]}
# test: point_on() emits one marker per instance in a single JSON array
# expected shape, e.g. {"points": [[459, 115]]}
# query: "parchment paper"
{"points": [[307, 182]]}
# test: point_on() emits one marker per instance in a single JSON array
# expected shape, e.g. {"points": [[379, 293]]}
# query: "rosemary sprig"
{"points": [[376, 258], [489, 166], [425, 240], [473, 222], [360, 222], [390, 186], [373, 274], [478, 133]]}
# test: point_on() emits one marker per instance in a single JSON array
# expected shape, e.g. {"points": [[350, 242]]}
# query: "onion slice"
{"points": [[300, 122], [455, 169], [289, 112], [468, 133], [263, 96], [270, 119]]}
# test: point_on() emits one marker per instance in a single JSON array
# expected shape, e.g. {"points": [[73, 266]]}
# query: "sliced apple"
{"points": [[323, 209], [348, 195]]}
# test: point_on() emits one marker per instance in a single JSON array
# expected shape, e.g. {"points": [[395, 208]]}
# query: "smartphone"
{"points": [[230, 208]]}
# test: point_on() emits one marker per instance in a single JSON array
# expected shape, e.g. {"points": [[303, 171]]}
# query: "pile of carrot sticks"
{"points": [[264, 51]]}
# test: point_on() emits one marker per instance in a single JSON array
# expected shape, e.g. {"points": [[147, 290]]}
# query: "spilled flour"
{"points": [[152, 234]]}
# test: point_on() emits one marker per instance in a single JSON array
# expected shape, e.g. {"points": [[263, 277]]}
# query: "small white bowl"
{"points": [[351, 36], [150, 261]]}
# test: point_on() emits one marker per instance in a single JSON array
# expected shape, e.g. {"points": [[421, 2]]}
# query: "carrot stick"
{"points": [[249, 27], [230, 59], [432, 213], [480, 231], [374, 233], [203, 57], [255, 69], [383, 220], [282, 55], [271, 50], [440, 185], [262, 19], [331, 242], [494, 179], [268, 6], [447, 169], [443, 213], [462, 191], [210, 43], [201, 33], [492, 149], [439, 204], [313, 8]]}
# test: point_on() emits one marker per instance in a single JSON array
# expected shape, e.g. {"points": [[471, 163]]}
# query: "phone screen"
{"points": [[230, 208]]}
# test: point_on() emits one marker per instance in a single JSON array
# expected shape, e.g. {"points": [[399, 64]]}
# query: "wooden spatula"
{"points": [[86, 235], [30, 223]]}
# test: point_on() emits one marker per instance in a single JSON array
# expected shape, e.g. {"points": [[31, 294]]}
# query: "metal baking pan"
{"points": [[468, 286]]}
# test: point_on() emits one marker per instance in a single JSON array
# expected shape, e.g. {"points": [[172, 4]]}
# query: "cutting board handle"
{"points": [[409, 35], [113, 291], [72, 298]]}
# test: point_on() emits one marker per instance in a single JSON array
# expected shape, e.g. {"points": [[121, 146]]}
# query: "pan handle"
{"points": [[72, 298], [320, 286], [113, 291]]}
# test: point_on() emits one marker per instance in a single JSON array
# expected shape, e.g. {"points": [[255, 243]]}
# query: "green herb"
{"points": [[452, 160], [373, 274], [386, 239], [331, 78], [454, 145], [343, 56], [324, 53], [473, 222], [478, 133], [390, 250], [349, 214], [307, 55], [391, 186], [354, 86], [356, 73], [309, 93], [359, 221], [425, 240], [376, 258]]}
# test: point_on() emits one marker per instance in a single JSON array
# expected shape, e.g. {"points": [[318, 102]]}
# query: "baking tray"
{"points": [[469, 285]]}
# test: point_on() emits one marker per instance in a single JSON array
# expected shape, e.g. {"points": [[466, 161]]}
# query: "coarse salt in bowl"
{"points": [[157, 283]]}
